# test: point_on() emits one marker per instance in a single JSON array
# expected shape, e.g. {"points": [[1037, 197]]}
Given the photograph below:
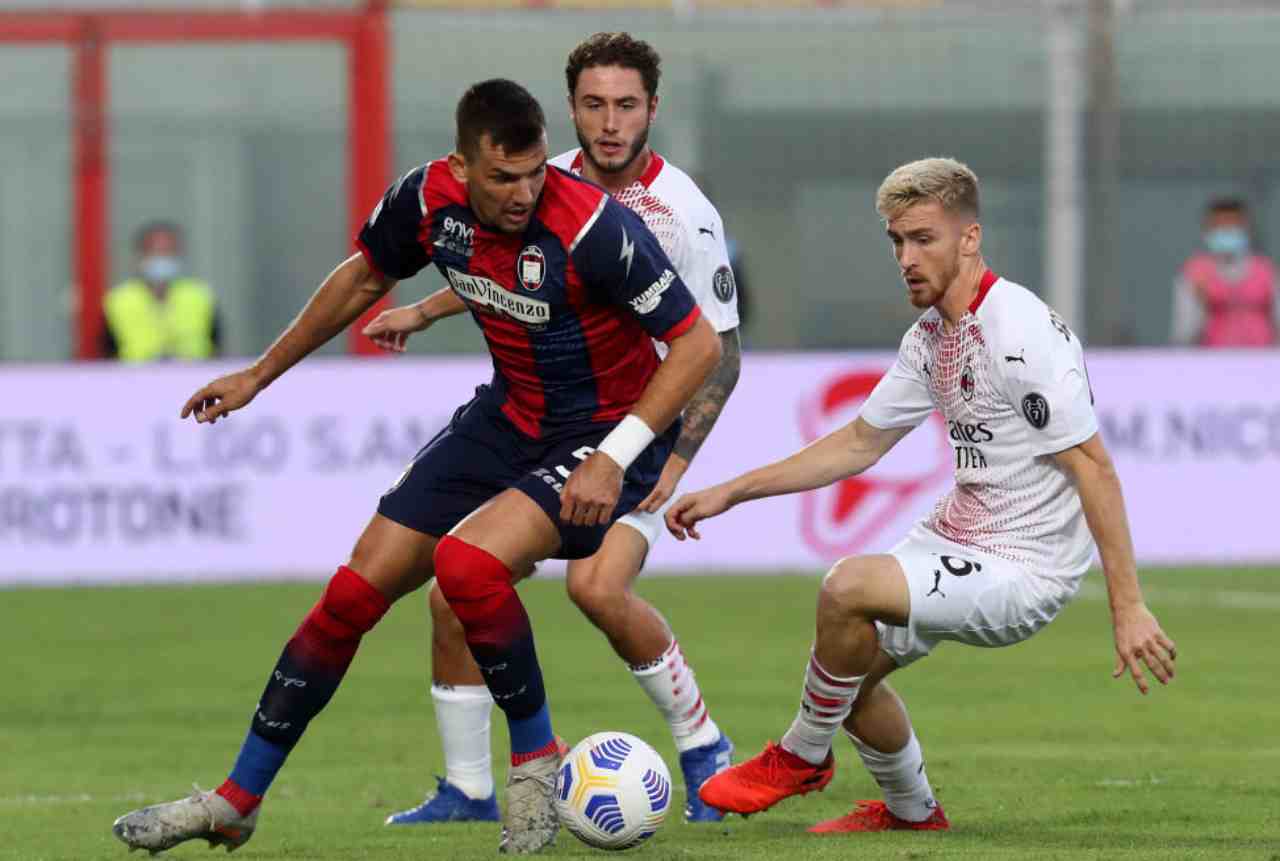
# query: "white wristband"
{"points": [[625, 442]]}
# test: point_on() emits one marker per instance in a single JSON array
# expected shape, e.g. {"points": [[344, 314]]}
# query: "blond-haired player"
{"points": [[999, 556]]}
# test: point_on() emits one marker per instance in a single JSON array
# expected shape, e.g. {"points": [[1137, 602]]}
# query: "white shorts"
{"points": [[649, 525], [959, 593]]}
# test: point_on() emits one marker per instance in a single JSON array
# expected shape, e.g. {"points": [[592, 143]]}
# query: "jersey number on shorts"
{"points": [[563, 471], [956, 567]]}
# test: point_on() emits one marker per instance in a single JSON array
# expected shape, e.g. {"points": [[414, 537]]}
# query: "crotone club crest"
{"points": [[531, 267], [967, 383]]}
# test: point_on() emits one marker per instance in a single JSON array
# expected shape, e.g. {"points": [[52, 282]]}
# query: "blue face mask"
{"points": [[1227, 242], [160, 269]]}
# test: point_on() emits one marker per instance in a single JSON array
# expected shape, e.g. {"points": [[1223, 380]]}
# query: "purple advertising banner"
{"points": [[100, 480]]}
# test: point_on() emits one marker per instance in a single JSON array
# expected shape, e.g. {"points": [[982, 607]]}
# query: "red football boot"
{"points": [[764, 780], [876, 816]]}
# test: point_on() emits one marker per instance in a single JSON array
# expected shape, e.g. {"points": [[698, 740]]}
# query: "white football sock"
{"points": [[825, 703], [462, 714], [901, 775], [669, 682]]}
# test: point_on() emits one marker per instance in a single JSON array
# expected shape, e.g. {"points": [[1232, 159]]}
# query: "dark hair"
{"points": [[144, 232], [1226, 204], [503, 110], [615, 49]]}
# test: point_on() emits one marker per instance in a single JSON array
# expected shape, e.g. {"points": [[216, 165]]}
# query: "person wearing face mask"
{"points": [[1225, 296], [160, 313]]}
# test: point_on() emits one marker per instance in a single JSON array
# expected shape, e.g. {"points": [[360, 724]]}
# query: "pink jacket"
{"points": [[1236, 313]]}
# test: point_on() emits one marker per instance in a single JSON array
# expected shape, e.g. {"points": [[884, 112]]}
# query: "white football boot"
{"points": [[530, 822], [201, 816]]}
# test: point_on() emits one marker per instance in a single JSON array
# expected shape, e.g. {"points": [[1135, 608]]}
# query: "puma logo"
{"points": [[937, 585], [1017, 358], [707, 230]]}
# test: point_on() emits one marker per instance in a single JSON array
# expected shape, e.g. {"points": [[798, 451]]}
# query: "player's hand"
{"points": [[672, 472], [222, 396], [692, 507], [1139, 641], [592, 491], [391, 329]]}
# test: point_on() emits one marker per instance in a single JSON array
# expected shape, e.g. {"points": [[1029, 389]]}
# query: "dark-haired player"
{"points": [[569, 288], [612, 80]]}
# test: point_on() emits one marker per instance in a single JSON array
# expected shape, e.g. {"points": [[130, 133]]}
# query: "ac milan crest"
{"points": [[532, 267], [967, 383]]}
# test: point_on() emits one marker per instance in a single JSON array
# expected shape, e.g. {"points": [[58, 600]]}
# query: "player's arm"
{"points": [[693, 354], [700, 252], [350, 290], [708, 402], [622, 264], [698, 418], [1139, 638], [899, 402], [389, 252], [592, 491], [846, 452], [391, 329]]}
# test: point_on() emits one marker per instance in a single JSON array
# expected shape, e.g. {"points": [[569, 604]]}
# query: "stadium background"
{"points": [[1099, 129]]}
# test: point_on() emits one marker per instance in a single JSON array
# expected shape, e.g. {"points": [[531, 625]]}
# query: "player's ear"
{"points": [[971, 240], [653, 108], [458, 166]]}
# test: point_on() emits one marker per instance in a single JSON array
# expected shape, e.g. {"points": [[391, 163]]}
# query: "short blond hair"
{"points": [[944, 180]]}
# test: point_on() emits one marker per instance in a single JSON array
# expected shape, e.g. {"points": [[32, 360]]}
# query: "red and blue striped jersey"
{"points": [[568, 308]]}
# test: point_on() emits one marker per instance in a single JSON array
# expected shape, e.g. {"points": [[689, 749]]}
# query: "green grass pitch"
{"points": [[114, 698]]}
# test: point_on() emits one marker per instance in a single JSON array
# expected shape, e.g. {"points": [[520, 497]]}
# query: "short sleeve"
{"points": [[710, 276], [1050, 389], [389, 239], [621, 261], [901, 399]]}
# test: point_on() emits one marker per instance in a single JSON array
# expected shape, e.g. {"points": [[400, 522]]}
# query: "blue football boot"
{"points": [[449, 804], [698, 765]]}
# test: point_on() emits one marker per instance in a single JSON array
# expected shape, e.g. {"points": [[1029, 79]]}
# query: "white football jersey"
{"points": [[1011, 383], [689, 230]]}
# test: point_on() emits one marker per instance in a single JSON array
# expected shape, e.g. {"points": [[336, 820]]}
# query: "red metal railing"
{"points": [[90, 34]]}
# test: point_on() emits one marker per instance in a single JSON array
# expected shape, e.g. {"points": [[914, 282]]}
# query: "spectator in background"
{"points": [[1225, 296], [160, 313]]}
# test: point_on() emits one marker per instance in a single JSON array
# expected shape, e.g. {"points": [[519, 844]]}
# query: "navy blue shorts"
{"points": [[481, 453]]}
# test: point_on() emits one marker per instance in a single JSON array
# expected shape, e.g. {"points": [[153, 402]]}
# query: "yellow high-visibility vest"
{"points": [[145, 328]]}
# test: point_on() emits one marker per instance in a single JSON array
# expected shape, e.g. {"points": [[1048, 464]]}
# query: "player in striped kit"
{"points": [[1000, 555], [613, 82], [569, 288]]}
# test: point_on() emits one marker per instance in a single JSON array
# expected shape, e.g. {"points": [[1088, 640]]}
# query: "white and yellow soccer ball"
{"points": [[613, 791]]}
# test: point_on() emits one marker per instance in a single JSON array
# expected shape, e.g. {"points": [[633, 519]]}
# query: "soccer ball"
{"points": [[613, 791]]}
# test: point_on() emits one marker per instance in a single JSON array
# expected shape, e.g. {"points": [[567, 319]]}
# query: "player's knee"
{"points": [[596, 594], [469, 578], [846, 588], [350, 605]]}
